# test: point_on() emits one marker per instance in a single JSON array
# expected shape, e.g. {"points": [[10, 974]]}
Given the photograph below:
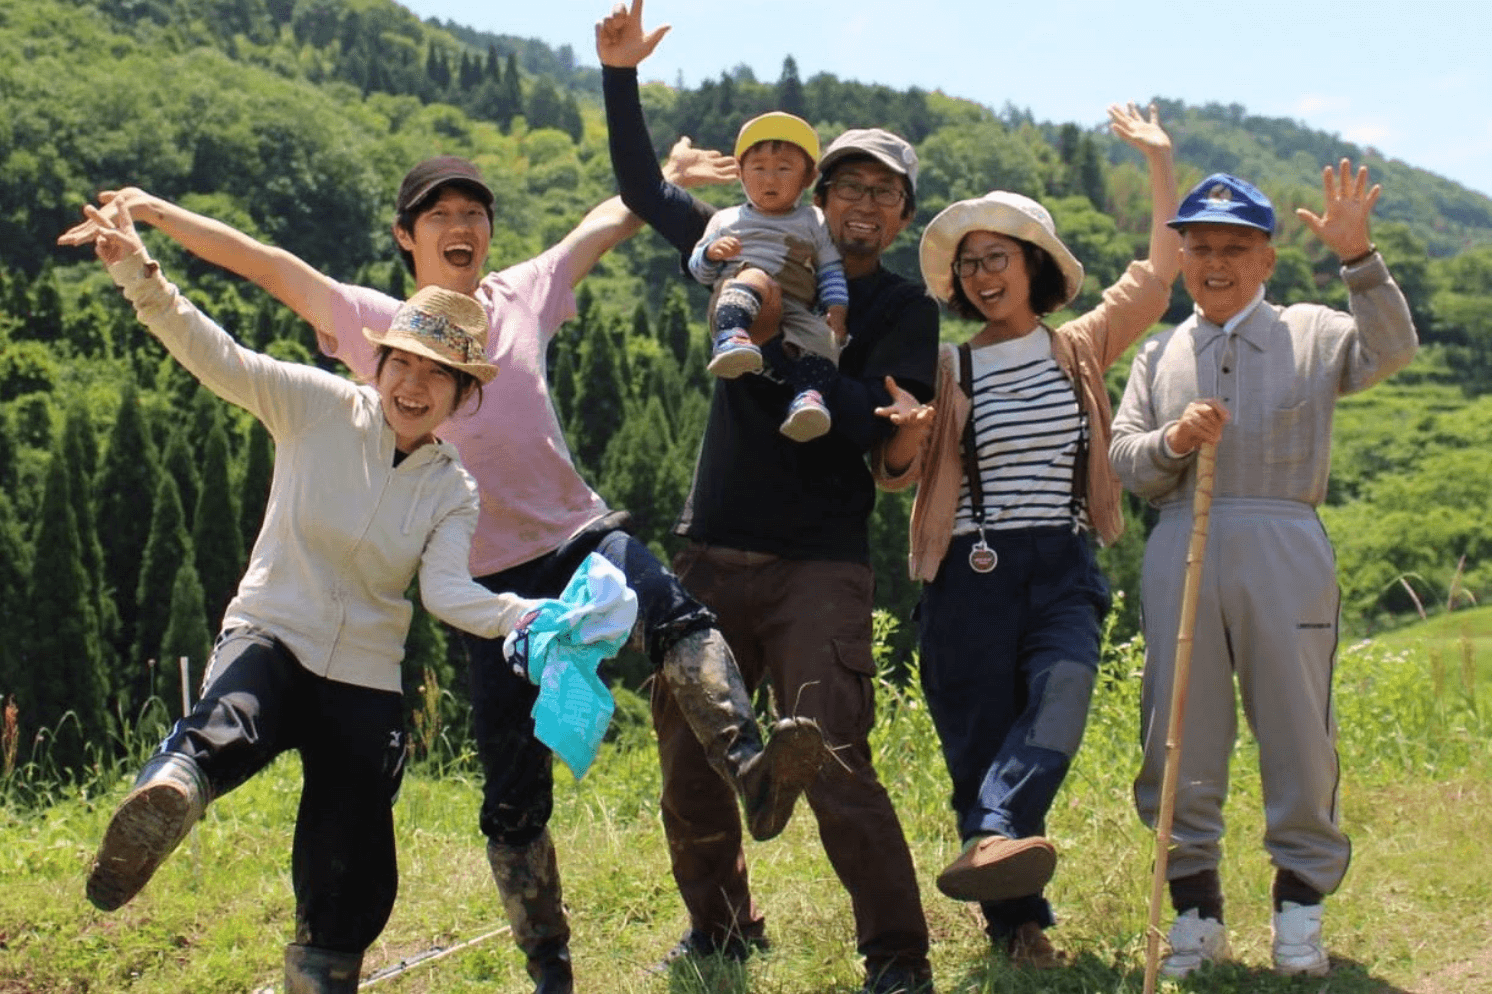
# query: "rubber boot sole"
{"points": [[147, 828], [789, 763]]}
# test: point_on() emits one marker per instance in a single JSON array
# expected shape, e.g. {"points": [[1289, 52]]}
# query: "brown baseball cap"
{"points": [[424, 178]]}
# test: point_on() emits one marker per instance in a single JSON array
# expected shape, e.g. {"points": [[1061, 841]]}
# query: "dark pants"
{"points": [[261, 702], [804, 626], [518, 783], [1008, 665]]}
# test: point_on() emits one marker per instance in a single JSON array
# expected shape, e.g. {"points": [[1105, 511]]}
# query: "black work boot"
{"points": [[702, 676], [313, 970], [528, 879], [169, 796]]}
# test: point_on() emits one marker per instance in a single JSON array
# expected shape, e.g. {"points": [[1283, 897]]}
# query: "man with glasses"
{"points": [[780, 543]]}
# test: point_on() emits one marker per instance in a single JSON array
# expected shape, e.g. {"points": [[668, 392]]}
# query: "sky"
{"points": [[1411, 78]]}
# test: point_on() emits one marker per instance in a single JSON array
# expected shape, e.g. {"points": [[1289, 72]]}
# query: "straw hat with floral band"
{"points": [[779, 126], [442, 325], [1004, 213]]}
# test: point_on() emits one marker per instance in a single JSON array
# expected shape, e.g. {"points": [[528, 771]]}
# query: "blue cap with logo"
{"points": [[1224, 199]]}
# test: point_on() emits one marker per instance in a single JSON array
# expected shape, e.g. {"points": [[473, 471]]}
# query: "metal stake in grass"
{"points": [[1196, 550], [186, 710]]}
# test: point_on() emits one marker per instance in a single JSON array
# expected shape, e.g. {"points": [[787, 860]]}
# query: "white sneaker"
{"points": [[1297, 941], [1194, 941]]}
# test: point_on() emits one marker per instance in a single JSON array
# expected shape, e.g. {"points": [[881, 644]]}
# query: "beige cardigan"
{"points": [[1084, 347]]}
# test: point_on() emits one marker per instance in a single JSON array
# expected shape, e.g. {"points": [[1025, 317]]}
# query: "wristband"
{"points": [[1348, 263]]}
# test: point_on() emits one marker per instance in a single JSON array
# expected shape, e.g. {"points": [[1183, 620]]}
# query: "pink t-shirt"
{"points": [[532, 498]]}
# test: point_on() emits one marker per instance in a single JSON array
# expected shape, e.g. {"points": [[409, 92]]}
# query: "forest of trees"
{"points": [[129, 497]]}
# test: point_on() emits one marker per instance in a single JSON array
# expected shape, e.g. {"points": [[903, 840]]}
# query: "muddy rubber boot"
{"points": [[702, 676], [169, 796], [527, 877], [313, 970]]}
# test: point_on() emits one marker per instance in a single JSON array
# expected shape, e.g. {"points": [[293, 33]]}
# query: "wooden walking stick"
{"points": [[1196, 551]]}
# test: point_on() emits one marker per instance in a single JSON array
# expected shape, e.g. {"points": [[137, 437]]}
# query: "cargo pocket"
{"points": [[850, 705]]}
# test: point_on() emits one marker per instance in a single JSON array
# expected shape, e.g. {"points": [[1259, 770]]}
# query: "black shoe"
{"points": [[897, 980], [697, 945]]}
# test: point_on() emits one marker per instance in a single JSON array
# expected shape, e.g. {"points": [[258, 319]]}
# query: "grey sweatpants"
{"points": [[1267, 613]]}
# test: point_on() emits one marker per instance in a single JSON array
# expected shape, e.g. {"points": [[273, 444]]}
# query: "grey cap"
{"points": [[896, 154]]}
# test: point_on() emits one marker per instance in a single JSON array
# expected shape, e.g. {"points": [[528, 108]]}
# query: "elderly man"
{"points": [[780, 544], [1267, 609]]}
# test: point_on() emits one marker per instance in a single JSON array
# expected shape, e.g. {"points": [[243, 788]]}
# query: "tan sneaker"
{"points": [[995, 868], [1030, 948]]}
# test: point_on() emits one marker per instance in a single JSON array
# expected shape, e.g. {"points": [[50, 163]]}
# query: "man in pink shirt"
{"points": [[539, 519]]}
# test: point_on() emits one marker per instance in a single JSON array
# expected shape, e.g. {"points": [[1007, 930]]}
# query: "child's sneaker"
{"points": [[807, 417], [734, 355]]}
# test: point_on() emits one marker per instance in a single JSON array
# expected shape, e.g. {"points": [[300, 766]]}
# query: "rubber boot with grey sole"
{"points": [[701, 674], [527, 877], [168, 798], [314, 970]]}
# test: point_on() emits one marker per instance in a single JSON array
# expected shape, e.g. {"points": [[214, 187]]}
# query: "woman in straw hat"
{"points": [[1012, 468], [364, 496]]}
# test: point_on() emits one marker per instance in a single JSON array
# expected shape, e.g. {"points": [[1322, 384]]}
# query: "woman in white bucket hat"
{"points": [[364, 496], [1011, 463]]}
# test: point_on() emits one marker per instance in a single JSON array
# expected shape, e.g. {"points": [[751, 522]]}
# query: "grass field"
{"points": [[1415, 913]]}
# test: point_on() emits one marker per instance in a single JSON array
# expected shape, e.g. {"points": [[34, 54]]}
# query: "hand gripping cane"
{"points": [[1196, 550]]}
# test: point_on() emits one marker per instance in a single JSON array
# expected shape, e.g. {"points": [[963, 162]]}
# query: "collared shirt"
{"points": [[1279, 374]]}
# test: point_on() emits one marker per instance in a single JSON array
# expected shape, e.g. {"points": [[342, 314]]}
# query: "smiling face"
{"points": [[774, 175], [448, 241], [862, 229], [1003, 297], [1223, 266], [417, 394]]}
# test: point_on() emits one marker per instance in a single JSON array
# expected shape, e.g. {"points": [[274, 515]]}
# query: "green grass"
{"points": [[1417, 900]]}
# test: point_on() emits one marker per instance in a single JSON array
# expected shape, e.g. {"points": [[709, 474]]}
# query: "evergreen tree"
{"points": [[187, 634], [15, 573], [127, 483], [258, 473], [493, 71], [511, 104], [598, 400], [215, 528], [180, 463], [43, 320], [544, 109], [570, 121], [635, 461], [62, 654], [562, 381], [789, 95], [169, 546], [673, 322], [82, 463]]}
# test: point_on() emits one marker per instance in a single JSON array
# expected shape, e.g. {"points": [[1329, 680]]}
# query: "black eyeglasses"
{"points": [[852, 192], [994, 262]]}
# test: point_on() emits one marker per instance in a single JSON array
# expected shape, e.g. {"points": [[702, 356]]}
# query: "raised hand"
{"points": [[1145, 135], [688, 166], [115, 236], [1349, 204], [86, 232], [620, 41]]}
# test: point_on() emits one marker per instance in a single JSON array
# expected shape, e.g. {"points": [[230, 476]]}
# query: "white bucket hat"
{"points": [[1004, 213], [443, 325]]}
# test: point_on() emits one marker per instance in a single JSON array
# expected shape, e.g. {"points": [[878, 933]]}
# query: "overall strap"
{"points": [[971, 461]]}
